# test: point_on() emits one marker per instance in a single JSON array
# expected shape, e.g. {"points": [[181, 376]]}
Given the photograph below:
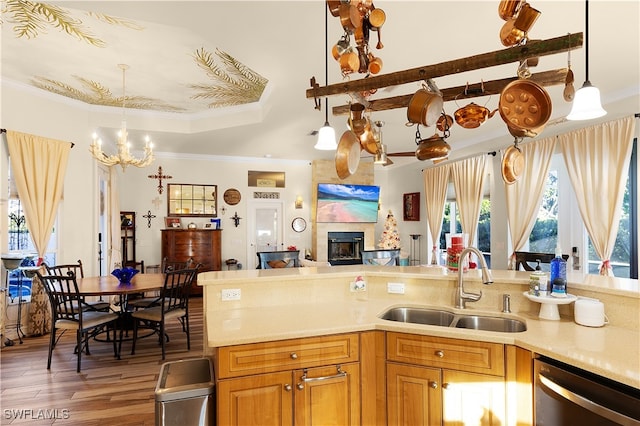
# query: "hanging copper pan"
{"points": [[432, 148], [512, 164], [424, 107], [524, 105], [347, 155]]}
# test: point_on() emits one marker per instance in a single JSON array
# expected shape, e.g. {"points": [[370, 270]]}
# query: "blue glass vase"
{"points": [[124, 275]]}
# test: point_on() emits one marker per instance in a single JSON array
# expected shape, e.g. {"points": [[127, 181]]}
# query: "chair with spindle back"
{"points": [[173, 303], [78, 272], [68, 314]]}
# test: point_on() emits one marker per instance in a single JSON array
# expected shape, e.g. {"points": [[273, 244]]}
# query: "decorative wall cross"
{"points": [[160, 176], [148, 216]]}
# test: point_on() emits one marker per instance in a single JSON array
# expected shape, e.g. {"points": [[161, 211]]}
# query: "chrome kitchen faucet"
{"points": [[463, 297]]}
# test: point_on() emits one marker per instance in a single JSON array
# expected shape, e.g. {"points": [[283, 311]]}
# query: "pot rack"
{"points": [[532, 49]]}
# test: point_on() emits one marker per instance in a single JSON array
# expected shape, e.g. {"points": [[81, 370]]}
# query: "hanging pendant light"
{"points": [[123, 157], [586, 104], [326, 134]]}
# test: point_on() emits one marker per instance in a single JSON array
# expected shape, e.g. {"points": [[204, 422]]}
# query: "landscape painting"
{"points": [[341, 203]]}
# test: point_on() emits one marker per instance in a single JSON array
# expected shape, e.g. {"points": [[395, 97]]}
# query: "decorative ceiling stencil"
{"points": [[87, 45], [236, 84], [97, 94]]}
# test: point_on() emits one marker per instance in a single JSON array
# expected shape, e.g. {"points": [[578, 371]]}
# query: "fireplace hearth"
{"points": [[344, 248]]}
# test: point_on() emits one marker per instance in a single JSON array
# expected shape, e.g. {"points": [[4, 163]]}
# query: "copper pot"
{"points": [[524, 105], [350, 18], [444, 123], [334, 7], [432, 148], [512, 164], [424, 107], [472, 115], [507, 9], [347, 155]]}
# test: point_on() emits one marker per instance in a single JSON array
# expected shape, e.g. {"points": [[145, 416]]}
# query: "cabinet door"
{"points": [[261, 400], [473, 399], [414, 396], [327, 396]]}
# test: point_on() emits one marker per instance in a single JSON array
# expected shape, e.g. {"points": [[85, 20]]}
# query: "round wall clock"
{"points": [[299, 224], [232, 196]]}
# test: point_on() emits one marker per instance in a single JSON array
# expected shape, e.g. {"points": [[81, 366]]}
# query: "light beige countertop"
{"points": [[302, 302]]}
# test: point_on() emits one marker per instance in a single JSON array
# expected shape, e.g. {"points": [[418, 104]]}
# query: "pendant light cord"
{"points": [[326, 60], [586, 31]]}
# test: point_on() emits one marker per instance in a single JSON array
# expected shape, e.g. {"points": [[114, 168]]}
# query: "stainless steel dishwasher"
{"points": [[565, 395]]}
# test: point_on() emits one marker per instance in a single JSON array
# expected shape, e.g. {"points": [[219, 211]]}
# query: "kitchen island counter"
{"points": [[304, 302]]}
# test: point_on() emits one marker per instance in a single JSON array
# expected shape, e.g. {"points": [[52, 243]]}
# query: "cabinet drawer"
{"points": [[256, 358], [455, 354]]}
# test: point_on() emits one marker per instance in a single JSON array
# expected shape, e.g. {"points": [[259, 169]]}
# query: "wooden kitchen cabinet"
{"points": [[413, 395], [310, 381], [201, 245], [434, 380]]}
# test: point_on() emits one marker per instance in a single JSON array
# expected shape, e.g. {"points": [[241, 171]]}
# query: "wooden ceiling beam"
{"points": [[531, 49], [493, 87]]}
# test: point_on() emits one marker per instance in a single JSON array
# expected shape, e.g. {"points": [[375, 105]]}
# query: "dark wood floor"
{"points": [[106, 392]]}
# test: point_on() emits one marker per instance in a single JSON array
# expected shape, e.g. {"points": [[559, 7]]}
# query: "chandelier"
{"points": [[124, 157]]}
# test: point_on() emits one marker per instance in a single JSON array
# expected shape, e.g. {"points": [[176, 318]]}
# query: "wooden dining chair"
{"points": [[67, 314], [63, 270], [174, 304], [390, 257]]}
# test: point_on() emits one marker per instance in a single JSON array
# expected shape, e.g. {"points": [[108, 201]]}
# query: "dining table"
{"points": [[109, 285]]}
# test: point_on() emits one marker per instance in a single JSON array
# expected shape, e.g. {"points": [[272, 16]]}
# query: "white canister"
{"points": [[590, 312]]}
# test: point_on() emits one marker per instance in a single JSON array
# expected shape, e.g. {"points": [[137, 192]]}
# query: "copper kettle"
{"points": [[473, 115]]}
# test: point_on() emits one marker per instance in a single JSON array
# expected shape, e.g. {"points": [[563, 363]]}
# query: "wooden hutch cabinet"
{"points": [[201, 245]]}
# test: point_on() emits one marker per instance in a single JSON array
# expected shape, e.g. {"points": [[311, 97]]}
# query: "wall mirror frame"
{"points": [[192, 200]]}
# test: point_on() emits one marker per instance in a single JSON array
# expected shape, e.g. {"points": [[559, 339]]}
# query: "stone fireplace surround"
{"points": [[324, 171]]}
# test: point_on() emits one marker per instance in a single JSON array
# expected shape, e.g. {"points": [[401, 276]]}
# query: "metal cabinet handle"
{"points": [[338, 375], [439, 354], [446, 385], [433, 385], [293, 355], [300, 386], [287, 387]]}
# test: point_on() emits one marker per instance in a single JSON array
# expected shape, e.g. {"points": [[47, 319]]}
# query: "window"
{"points": [[483, 233], [624, 257], [544, 235], [19, 240]]}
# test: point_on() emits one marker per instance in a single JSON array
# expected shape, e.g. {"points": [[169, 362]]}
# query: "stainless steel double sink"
{"points": [[444, 318]]}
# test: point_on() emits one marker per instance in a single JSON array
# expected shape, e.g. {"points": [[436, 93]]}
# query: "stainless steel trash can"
{"points": [[185, 393]]}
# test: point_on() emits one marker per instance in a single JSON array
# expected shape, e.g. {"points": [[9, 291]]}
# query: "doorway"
{"points": [[265, 226]]}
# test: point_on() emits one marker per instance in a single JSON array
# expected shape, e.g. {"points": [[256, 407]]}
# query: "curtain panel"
{"points": [[525, 195], [38, 166], [436, 180], [468, 179], [597, 159]]}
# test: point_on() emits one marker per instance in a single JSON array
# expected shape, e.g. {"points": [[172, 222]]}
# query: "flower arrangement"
{"points": [[292, 248]]}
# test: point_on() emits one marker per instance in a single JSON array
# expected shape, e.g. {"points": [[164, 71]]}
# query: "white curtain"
{"points": [[468, 180], [38, 166], [114, 251], [436, 180], [525, 195], [597, 160]]}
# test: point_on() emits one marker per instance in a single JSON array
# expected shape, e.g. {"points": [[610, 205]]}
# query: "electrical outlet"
{"points": [[231, 294], [395, 288]]}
